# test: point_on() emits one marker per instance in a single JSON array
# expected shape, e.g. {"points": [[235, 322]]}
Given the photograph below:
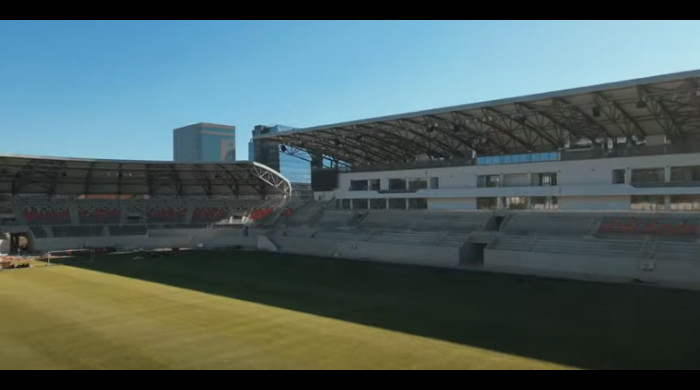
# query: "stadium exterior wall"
{"points": [[452, 204], [582, 203], [581, 184]]}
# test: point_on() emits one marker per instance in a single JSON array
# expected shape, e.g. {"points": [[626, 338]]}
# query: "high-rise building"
{"points": [[291, 163], [206, 142]]}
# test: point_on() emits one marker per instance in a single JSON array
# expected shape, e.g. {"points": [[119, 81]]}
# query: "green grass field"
{"points": [[241, 310]]}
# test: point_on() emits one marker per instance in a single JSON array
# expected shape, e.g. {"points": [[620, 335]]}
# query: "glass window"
{"points": [[685, 202], [360, 204], [358, 185], [397, 184], [647, 202], [486, 203], [685, 174], [618, 176], [544, 203], [417, 203], [434, 182], [416, 184], [518, 158], [377, 204], [397, 204], [548, 179], [647, 175], [488, 181], [516, 202]]}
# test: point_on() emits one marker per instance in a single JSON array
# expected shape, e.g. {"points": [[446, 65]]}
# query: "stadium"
{"points": [[600, 183], [607, 175], [63, 204]]}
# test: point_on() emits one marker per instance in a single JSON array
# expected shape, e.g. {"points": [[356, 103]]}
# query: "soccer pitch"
{"points": [[243, 310]]}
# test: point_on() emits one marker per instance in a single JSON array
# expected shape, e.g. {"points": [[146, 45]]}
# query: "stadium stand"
{"points": [[677, 250], [166, 214], [99, 214], [650, 226], [597, 181], [63, 204], [407, 238], [452, 239], [209, 214], [46, 215], [549, 223], [262, 216], [420, 220]]}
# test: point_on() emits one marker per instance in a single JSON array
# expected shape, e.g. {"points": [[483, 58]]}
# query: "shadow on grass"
{"points": [[587, 325]]}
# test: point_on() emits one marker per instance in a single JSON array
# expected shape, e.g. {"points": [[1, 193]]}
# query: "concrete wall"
{"points": [[228, 241], [181, 238], [338, 218], [264, 243], [594, 203], [394, 253], [469, 254], [452, 204], [680, 273]]}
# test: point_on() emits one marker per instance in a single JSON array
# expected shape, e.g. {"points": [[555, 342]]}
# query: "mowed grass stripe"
{"points": [[71, 318], [580, 324]]}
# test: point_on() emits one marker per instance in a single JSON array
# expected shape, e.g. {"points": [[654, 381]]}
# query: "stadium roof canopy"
{"points": [[72, 176], [666, 105]]}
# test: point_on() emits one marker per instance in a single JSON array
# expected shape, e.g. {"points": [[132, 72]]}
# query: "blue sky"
{"points": [[116, 89]]}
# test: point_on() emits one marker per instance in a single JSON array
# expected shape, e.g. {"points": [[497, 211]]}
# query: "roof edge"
{"points": [[518, 99]]}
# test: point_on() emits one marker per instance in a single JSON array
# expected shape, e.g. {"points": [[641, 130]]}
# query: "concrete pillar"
{"points": [[189, 213], [73, 211]]}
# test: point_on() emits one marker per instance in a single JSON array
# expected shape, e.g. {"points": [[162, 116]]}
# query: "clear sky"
{"points": [[117, 89]]}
